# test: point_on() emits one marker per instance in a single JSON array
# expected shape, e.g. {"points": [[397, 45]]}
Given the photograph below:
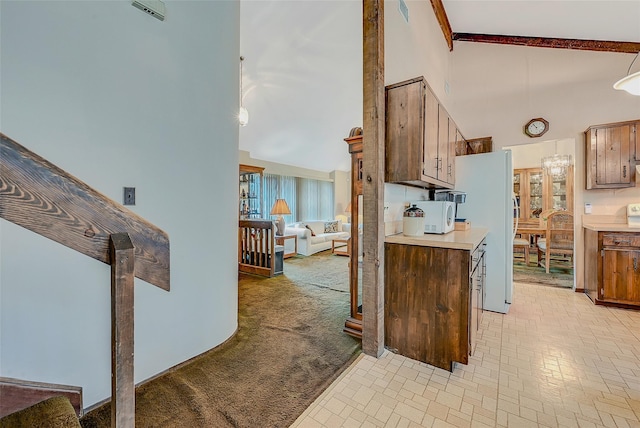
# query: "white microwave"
{"points": [[439, 216]]}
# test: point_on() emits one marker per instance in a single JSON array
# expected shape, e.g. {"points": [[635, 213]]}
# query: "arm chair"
{"points": [[558, 238]]}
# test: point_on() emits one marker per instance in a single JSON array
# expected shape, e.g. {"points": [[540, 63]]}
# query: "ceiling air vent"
{"points": [[404, 10], [154, 8]]}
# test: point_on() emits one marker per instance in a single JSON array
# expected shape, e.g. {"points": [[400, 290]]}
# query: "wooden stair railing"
{"points": [[41, 197], [257, 247]]}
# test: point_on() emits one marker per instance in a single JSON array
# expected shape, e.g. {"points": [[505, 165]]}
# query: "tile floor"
{"points": [[556, 360]]}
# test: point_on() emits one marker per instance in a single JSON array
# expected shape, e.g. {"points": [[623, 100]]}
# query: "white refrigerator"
{"points": [[487, 180]]}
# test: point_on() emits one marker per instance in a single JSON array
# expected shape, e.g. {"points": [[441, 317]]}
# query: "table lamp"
{"points": [[280, 208], [348, 212]]}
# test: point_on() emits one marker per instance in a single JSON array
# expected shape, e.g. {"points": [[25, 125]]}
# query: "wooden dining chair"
{"points": [[522, 243], [558, 238]]}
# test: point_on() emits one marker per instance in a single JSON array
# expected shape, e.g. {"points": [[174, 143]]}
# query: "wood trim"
{"points": [[373, 178], [18, 394], [549, 42], [250, 168], [123, 400], [39, 196], [443, 20], [474, 146]]}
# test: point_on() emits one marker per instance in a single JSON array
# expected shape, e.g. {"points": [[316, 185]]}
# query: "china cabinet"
{"points": [[537, 191], [611, 155], [250, 198], [528, 186]]}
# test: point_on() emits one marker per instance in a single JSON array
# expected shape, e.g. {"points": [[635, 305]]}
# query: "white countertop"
{"points": [[459, 240], [607, 223], [610, 227]]}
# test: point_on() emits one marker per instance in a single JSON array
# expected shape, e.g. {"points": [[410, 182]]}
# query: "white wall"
{"points": [[417, 48], [341, 191], [283, 169], [118, 98], [411, 50], [493, 90], [497, 89]]}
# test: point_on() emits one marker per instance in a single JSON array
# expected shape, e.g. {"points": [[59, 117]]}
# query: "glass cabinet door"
{"points": [[535, 194], [517, 179], [250, 197], [559, 192]]}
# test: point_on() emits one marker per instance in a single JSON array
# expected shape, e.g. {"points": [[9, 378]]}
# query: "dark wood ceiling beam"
{"points": [[443, 20], [547, 42]]}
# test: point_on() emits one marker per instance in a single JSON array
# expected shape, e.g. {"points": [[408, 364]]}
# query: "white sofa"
{"points": [[308, 244]]}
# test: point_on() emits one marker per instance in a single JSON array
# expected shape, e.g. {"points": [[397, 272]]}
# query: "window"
{"points": [[308, 199]]}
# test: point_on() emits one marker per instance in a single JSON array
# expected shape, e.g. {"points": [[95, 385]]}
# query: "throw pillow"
{"points": [[331, 226], [312, 232]]}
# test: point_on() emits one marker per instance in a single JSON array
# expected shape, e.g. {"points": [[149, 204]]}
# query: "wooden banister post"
{"points": [[122, 381]]}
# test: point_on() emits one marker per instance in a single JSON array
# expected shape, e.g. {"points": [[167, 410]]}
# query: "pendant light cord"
{"points": [[631, 65], [241, 60]]}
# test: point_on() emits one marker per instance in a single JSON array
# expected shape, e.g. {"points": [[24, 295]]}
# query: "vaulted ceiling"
{"points": [[303, 66]]}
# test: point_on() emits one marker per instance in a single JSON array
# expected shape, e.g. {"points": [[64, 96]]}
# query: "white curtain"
{"points": [[307, 199], [279, 187], [315, 199]]}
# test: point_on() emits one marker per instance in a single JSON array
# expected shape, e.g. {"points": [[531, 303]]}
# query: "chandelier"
{"points": [[556, 165]]}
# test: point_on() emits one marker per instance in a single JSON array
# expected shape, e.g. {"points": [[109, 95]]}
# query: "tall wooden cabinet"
{"points": [[420, 138], [538, 191], [611, 155], [353, 324], [250, 198]]}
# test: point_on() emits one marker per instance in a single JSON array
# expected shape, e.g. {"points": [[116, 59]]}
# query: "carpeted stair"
{"points": [[56, 412]]}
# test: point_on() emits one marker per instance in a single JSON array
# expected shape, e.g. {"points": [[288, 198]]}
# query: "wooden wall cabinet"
{"points": [[538, 191], [611, 155], [421, 137], [433, 302], [250, 197], [612, 268]]}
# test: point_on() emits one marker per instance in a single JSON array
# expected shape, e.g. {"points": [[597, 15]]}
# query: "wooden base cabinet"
{"points": [[433, 302], [612, 268]]}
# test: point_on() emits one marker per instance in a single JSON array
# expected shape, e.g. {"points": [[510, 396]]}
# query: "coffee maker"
{"points": [[451, 196]]}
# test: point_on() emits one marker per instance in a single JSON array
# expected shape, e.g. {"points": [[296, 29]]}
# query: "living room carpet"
{"points": [[560, 272], [289, 347]]}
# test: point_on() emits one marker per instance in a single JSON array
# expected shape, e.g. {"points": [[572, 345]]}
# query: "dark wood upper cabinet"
{"points": [[420, 137], [610, 153]]}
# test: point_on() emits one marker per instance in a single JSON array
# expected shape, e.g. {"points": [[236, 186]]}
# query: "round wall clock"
{"points": [[536, 127]]}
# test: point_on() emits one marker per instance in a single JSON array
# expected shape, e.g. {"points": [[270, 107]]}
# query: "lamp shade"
{"points": [[630, 83], [348, 209], [280, 207]]}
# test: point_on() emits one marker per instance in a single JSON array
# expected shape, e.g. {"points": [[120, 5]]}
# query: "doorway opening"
{"points": [[540, 192]]}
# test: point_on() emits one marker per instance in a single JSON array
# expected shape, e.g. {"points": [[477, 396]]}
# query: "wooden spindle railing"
{"points": [[257, 247]]}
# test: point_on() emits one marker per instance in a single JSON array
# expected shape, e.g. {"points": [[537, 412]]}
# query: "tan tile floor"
{"points": [[556, 360]]}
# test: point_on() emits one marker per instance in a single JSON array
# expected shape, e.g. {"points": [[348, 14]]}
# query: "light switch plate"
{"points": [[587, 208], [129, 197]]}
